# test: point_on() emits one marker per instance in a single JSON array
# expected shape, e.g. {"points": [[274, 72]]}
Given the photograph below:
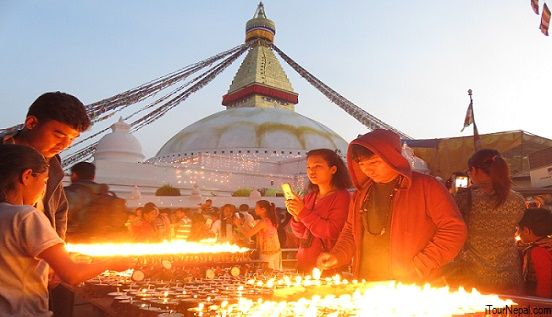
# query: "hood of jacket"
{"points": [[387, 145]]}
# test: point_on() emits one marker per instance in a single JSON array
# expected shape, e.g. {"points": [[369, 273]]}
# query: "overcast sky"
{"points": [[409, 63]]}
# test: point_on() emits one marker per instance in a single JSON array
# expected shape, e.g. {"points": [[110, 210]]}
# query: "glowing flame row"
{"points": [[175, 247], [372, 299]]}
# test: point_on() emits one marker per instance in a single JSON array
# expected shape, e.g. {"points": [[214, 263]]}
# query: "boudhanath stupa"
{"points": [[259, 141]]}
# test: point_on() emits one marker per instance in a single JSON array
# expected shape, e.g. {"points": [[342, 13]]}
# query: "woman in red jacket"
{"points": [[318, 218]]}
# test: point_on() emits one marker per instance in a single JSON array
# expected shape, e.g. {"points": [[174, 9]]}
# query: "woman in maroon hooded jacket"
{"points": [[402, 225], [319, 217]]}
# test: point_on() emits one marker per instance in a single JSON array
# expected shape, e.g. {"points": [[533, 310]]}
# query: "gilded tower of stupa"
{"points": [[260, 81]]}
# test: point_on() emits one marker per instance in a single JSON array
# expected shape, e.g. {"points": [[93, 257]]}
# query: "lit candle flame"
{"points": [[387, 298], [164, 248], [316, 273]]}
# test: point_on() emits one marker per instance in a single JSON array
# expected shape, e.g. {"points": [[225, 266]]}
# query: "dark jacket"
{"points": [[79, 196], [55, 202], [427, 230]]}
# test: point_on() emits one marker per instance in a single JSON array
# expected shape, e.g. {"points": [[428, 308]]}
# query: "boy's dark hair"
{"points": [[538, 220], [340, 179], [244, 208], [360, 152], [84, 170], [61, 107], [149, 207], [14, 159]]}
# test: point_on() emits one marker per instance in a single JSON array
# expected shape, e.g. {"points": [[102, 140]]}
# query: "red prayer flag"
{"points": [[468, 120], [545, 20], [469, 116], [535, 6]]}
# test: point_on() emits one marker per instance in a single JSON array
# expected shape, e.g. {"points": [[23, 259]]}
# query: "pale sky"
{"points": [[409, 63]]}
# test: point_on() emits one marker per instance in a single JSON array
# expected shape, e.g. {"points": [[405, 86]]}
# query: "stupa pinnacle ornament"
{"points": [[260, 27], [260, 81]]}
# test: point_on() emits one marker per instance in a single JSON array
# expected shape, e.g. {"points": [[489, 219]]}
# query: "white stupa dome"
{"points": [[119, 145], [416, 163], [252, 130]]}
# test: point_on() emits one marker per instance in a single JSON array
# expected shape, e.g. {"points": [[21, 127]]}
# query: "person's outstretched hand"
{"points": [[121, 263], [326, 261]]}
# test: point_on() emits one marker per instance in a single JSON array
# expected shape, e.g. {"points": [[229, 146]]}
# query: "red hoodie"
{"points": [[323, 221], [427, 230]]}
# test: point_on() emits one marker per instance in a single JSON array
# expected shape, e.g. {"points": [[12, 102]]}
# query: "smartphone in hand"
{"points": [[461, 182], [288, 193]]}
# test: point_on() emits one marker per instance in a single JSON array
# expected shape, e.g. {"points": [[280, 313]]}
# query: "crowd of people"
{"points": [[258, 228], [374, 215]]}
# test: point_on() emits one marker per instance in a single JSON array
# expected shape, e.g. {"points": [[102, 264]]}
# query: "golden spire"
{"points": [[260, 80], [260, 27]]}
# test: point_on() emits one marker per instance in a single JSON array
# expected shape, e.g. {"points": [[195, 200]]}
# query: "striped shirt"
{"points": [[182, 229]]}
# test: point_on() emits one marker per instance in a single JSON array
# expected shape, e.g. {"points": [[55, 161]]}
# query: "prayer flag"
{"points": [[545, 20], [535, 6], [469, 116], [468, 120]]}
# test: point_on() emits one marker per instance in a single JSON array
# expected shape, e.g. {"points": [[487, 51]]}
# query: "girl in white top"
{"points": [[28, 243]]}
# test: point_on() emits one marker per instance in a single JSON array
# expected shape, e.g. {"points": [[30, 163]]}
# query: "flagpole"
{"points": [[471, 105]]}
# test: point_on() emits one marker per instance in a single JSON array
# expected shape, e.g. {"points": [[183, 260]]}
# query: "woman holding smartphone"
{"points": [[318, 218]]}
